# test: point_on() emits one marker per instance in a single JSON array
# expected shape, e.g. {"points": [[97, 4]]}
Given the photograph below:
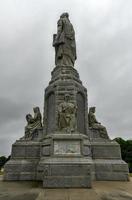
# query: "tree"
{"points": [[2, 161], [126, 151]]}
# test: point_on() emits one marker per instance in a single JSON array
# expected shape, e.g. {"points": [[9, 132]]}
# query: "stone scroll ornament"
{"points": [[67, 115], [33, 123], [95, 125], [64, 42]]}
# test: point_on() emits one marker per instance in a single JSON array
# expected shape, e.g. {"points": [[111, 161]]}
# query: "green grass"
{"points": [[131, 174]]}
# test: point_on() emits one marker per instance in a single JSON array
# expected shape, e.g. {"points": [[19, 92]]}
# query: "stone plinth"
{"points": [[67, 172], [111, 170], [65, 161], [24, 159], [106, 156], [65, 144], [105, 150]]}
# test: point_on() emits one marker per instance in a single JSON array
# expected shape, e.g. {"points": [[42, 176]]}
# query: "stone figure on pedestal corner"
{"points": [[95, 125], [67, 115], [64, 42], [33, 123]]}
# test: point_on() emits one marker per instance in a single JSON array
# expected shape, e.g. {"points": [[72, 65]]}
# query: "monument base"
{"points": [[65, 172], [108, 164], [24, 160], [111, 170], [21, 170], [65, 161]]}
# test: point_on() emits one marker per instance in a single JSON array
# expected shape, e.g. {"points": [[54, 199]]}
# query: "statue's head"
{"points": [[28, 117], [67, 97], [92, 109], [36, 110], [65, 14]]}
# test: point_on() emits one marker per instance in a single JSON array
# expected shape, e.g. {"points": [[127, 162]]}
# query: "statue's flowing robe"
{"points": [[93, 123], [34, 124], [66, 118], [65, 43]]}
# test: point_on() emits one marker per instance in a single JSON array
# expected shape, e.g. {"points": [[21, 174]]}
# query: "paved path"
{"points": [[102, 190]]}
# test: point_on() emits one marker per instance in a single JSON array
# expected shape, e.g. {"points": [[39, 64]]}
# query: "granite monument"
{"points": [[71, 148]]}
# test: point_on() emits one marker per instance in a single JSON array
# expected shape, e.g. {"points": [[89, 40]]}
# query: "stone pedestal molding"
{"points": [[60, 158]]}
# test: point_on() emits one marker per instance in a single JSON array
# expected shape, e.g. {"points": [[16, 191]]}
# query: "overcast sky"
{"points": [[104, 50]]}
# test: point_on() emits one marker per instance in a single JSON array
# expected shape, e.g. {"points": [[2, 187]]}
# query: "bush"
{"points": [[130, 167]]}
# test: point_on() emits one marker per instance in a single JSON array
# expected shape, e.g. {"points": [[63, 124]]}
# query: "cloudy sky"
{"points": [[104, 49]]}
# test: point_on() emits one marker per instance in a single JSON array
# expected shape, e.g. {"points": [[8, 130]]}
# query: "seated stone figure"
{"points": [[67, 115], [94, 124], [33, 123]]}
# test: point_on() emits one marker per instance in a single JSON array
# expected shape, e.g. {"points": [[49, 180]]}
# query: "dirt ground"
{"points": [[101, 190]]}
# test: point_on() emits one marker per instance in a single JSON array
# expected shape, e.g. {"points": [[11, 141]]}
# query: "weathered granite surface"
{"points": [[53, 156], [65, 80], [70, 148], [65, 161], [95, 125], [64, 42]]}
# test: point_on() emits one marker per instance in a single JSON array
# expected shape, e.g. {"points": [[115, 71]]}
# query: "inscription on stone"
{"points": [[66, 147]]}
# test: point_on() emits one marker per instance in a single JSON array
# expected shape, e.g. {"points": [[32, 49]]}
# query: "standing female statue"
{"points": [[64, 42]]}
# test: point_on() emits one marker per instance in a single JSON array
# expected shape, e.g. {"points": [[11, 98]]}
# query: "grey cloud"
{"points": [[5, 146], [103, 34], [11, 111]]}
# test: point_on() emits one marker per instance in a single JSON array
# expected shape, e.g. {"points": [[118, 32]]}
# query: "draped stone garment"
{"points": [[33, 124], [64, 43], [67, 116]]}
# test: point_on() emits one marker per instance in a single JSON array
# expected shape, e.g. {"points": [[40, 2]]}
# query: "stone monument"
{"points": [[71, 148]]}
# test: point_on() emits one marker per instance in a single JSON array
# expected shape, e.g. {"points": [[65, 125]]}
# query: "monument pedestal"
{"points": [[107, 160], [66, 158], [25, 156], [69, 172], [65, 161], [111, 170]]}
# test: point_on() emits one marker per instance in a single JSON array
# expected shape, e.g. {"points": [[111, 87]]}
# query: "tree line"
{"points": [[126, 151], [3, 160]]}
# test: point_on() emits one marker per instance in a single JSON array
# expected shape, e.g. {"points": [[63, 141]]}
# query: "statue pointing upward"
{"points": [[64, 42]]}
